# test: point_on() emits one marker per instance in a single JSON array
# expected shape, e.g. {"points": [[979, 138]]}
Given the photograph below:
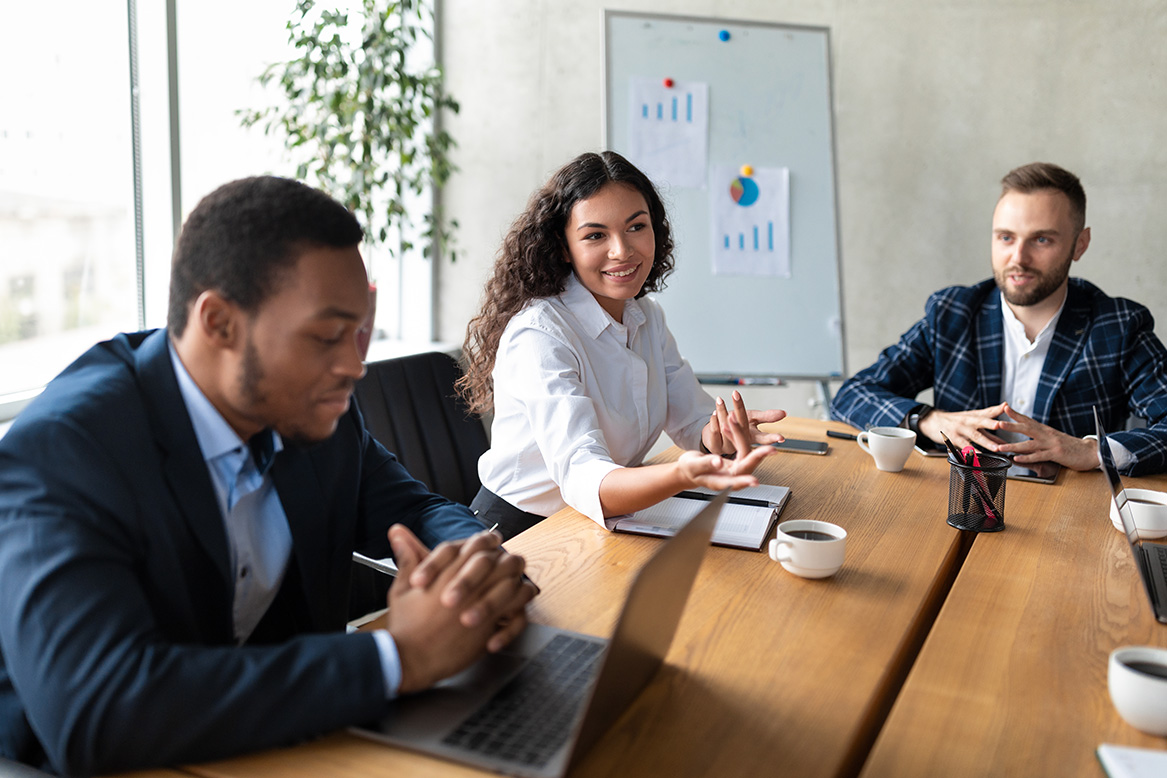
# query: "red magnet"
{"points": [[669, 83]]}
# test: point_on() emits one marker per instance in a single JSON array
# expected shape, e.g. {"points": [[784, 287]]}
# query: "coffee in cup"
{"points": [[809, 534], [808, 548], [1137, 678], [889, 446]]}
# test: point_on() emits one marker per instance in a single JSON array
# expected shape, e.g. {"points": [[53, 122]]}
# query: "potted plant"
{"points": [[360, 116]]}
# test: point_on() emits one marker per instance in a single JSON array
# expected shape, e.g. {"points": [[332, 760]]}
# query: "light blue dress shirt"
{"points": [[258, 537]]}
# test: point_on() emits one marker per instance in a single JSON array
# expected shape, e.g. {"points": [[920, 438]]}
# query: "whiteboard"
{"points": [[769, 106]]}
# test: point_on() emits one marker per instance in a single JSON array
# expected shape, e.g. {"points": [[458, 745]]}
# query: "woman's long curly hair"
{"points": [[532, 261]]}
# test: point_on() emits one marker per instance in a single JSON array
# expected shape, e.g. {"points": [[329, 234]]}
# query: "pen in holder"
{"points": [[976, 493]]}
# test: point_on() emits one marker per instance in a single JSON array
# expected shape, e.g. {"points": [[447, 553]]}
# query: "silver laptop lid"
{"points": [[647, 625], [1118, 496], [1117, 493], [644, 631]]}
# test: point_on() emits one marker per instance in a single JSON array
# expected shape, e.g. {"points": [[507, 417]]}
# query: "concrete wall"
{"points": [[934, 102]]}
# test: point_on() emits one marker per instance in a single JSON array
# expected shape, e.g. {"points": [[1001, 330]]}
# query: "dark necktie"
{"points": [[262, 446]]}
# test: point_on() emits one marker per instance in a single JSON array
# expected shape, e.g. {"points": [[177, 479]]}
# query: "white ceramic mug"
{"points": [[808, 548], [889, 446], [1137, 677], [1149, 509]]}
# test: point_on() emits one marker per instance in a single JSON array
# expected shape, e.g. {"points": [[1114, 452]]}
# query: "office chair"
{"points": [[411, 408]]}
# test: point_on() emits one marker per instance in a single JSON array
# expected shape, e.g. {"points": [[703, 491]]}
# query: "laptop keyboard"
{"points": [[1157, 556], [528, 720]]}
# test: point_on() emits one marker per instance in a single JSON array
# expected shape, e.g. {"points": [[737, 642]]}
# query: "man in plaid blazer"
{"points": [[1017, 362]]}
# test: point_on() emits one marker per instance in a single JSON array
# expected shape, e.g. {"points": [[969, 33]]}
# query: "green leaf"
{"points": [[358, 114]]}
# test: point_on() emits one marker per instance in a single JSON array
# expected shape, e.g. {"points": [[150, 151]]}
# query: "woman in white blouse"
{"points": [[579, 367]]}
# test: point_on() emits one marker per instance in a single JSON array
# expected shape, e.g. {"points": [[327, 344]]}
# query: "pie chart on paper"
{"points": [[744, 191]]}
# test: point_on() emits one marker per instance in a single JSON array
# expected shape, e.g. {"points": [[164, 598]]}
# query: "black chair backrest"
{"points": [[410, 406]]}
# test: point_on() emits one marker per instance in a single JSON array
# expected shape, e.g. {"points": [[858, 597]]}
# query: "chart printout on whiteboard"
{"points": [[668, 131], [751, 221]]}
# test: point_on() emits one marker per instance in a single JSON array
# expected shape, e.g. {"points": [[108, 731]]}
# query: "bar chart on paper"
{"points": [[751, 215], [669, 130], [675, 112]]}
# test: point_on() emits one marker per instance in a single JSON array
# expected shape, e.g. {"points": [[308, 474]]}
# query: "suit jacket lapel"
{"points": [[183, 464], [296, 482], [989, 345], [1068, 340]]}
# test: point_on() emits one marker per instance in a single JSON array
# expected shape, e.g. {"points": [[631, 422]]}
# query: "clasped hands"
{"points": [[731, 432], [448, 605], [1045, 443]]}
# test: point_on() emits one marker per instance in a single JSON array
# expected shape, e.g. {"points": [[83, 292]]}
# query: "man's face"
{"points": [[299, 358], [1035, 240]]}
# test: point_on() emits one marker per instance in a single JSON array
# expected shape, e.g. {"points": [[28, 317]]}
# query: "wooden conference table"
{"points": [[1013, 677], [771, 674]]}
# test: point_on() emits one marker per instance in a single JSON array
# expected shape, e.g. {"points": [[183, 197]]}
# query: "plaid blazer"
{"points": [[1104, 353]]}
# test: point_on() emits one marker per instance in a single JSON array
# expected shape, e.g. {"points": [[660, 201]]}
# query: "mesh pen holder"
{"points": [[976, 494]]}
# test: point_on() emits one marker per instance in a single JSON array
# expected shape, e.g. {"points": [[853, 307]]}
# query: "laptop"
{"points": [[535, 708], [1150, 558]]}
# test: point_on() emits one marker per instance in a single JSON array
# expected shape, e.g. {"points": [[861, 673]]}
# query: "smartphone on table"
{"points": [[803, 446], [929, 447], [1039, 472]]}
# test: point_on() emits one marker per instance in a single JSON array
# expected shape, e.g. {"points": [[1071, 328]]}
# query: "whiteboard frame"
{"points": [[607, 17]]}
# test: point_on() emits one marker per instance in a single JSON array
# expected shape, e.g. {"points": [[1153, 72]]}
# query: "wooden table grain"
{"points": [[770, 674], [1012, 679]]}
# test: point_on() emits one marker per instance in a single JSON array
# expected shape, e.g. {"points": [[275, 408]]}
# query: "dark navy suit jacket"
{"points": [[116, 592], [1104, 353]]}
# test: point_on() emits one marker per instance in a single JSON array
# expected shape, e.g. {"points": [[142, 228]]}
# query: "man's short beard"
{"points": [[249, 386], [252, 375], [1047, 285]]}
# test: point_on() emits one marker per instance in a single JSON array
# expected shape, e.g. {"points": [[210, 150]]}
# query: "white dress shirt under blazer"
{"points": [[1021, 373], [578, 394]]}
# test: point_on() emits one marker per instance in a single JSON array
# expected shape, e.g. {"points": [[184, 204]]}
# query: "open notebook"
{"points": [[745, 520]]}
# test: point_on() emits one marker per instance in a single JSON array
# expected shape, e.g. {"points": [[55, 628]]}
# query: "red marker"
{"points": [[668, 83], [972, 460]]}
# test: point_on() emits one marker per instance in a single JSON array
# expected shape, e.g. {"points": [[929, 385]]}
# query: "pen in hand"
{"points": [[386, 566], [524, 576]]}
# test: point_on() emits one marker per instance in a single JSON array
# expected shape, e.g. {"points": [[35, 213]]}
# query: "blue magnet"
{"points": [[723, 35]]}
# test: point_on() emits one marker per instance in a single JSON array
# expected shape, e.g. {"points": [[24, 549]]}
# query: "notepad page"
{"points": [[737, 525], [1130, 762], [743, 525]]}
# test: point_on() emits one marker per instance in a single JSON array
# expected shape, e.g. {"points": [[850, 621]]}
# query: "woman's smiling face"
{"points": [[611, 245]]}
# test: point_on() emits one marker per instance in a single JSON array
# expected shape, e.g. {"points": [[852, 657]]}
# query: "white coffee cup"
{"points": [[808, 548], [1149, 509], [1137, 677], [890, 446]]}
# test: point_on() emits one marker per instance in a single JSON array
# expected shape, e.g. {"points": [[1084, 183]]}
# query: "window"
{"points": [[67, 278], [68, 233]]}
